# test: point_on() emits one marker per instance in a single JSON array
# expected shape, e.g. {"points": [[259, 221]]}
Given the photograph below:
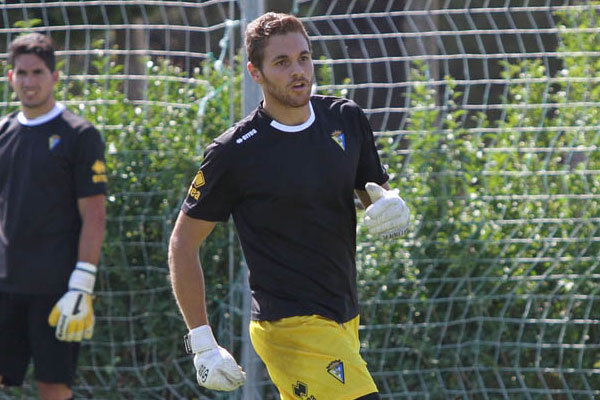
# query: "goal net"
{"points": [[486, 115]]}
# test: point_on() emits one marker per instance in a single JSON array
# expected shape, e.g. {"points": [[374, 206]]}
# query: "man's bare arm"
{"points": [[187, 278]]}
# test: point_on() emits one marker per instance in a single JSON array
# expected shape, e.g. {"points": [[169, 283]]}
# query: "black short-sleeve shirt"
{"points": [[290, 190], [46, 164]]}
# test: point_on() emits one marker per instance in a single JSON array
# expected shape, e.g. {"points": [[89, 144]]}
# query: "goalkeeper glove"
{"points": [[216, 369], [387, 216], [73, 315]]}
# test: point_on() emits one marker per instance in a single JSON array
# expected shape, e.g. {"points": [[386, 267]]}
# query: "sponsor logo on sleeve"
{"points": [[198, 182], [99, 172]]}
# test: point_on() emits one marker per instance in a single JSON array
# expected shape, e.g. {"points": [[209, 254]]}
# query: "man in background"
{"points": [[287, 173], [52, 218]]}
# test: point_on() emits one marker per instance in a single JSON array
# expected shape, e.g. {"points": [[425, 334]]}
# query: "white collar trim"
{"points": [[296, 128], [42, 119]]}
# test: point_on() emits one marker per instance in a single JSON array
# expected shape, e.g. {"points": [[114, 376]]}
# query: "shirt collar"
{"points": [[42, 119], [296, 128]]}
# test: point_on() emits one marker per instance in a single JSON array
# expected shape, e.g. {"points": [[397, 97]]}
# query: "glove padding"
{"points": [[216, 369], [387, 216], [73, 315]]}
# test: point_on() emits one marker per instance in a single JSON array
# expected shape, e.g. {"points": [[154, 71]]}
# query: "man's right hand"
{"points": [[73, 314], [216, 369]]}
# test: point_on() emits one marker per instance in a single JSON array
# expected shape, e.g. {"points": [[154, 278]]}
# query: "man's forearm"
{"points": [[187, 281], [93, 221]]}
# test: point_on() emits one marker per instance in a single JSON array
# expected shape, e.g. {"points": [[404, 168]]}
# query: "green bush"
{"points": [[503, 230], [154, 150]]}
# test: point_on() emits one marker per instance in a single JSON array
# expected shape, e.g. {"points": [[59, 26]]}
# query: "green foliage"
{"points": [[324, 75], [28, 24], [154, 150], [502, 227]]}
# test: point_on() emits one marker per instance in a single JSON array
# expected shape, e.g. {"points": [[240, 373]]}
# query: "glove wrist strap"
{"points": [[83, 277], [199, 339]]}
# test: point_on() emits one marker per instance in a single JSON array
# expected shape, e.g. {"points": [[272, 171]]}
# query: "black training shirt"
{"points": [[46, 164], [290, 190]]}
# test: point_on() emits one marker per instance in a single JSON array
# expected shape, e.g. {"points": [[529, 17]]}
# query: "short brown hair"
{"points": [[33, 43], [265, 26]]}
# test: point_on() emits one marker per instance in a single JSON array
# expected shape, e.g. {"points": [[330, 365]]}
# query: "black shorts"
{"points": [[25, 334]]}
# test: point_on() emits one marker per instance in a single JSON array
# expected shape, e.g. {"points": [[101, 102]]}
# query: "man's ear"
{"points": [[254, 73], [11, 78]]}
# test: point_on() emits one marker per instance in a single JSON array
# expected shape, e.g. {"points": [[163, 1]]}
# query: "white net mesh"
{"points": [[486, 114]]}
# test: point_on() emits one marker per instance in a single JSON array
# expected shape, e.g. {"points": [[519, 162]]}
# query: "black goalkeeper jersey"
{"points": [[290, 190], [46, 164]]}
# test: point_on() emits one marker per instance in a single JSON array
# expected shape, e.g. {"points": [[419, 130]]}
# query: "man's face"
{"points": [[287, 72], [33, 83]]}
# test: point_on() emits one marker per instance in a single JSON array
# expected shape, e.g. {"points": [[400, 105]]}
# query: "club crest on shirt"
{"points": [[99, 172], [336, 369], [53, 141], [339, 137]]}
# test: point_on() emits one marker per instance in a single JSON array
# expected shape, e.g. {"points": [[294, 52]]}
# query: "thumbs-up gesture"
{"points": [[387, 216]]}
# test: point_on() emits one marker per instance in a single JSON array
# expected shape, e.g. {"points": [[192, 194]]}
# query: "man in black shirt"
{"points": [[52, 216], [287, 173]]}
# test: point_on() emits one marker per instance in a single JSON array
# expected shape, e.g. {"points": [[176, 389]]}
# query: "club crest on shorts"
{"points": [[336, 369], [339, 137]]}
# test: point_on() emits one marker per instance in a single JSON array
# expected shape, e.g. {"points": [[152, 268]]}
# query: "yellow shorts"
{"points": [[313, 358]]}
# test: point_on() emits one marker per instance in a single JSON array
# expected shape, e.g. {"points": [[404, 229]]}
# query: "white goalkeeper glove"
{"points": [[73, 315], [387, 216], [216, 369]]}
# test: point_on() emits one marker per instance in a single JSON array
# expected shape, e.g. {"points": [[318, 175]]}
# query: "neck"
{"points": [[287, 115], [34, 112]]}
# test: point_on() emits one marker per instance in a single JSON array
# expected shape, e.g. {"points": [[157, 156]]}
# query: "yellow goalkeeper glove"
{"points": [[73, 315]]}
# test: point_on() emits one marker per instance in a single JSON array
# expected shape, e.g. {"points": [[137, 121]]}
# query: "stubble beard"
{"points": [[34, 103], [286, 99]]}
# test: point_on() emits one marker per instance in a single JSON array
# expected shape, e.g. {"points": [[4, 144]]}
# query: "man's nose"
{"points": [[297, 70], [28, 80]]}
